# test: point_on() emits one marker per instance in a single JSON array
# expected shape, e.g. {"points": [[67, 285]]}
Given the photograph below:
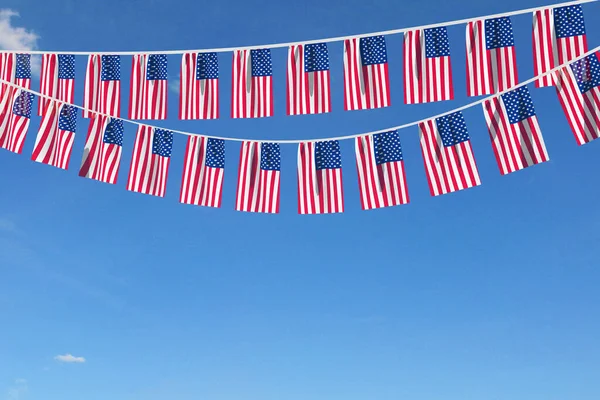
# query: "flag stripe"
{"points": [[201, 185]]}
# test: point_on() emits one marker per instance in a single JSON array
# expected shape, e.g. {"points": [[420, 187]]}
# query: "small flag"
{"points": [[14, 118], [102, 91], [380, 165], [150, 161], [320, 178], [16, 68], [57, 80], [258, 178], [427, 68], [449, 160], [558, 37], [55, 138], [491, 57], [514, 130], [308, 79], [103, 148], [202, 182], [148, 94], [366, 75], [199, 86], [578, 88], [252, 91]]}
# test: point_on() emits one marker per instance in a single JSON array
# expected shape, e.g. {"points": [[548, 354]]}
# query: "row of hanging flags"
{"points": [[558, 36], [448, 157]]}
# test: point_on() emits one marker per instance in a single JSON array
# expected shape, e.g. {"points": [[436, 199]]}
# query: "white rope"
{"points": [[326, 40], [292, 141]]}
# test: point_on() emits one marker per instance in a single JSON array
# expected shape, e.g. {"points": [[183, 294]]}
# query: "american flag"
{"points": [[150, 161], [514, 130], [366, 74], [558, 36], [102, 91], [258, 178], [320, 178], [308, 87], [199, 86], [55, 138], [202, 182], [57, 80], [148, 94], [447, 153], [491, 57], [16, 68], [252, 88], [578, 88], [380, 165], [14, 118], [103, 149], [427, 69]]}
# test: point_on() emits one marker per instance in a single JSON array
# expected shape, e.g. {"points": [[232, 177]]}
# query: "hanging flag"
{"points": [[258, 178], [514, 130], [57, 80], [366, 75], [320, 178], [102, 90], [308, 79], [491, 57], [252, 88], [558, 37], [578, 88], [199, 86], [15, 116], [150, 161], [449, 160], [148, 94], [427, 68], [380, 165], [202, 182], [54, 140], [16, 68], [103, 147]]}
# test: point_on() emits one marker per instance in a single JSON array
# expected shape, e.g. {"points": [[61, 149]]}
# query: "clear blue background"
{"points": [[490, 293]]}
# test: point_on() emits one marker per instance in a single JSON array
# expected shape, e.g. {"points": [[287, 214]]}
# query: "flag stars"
{"points": [[270, 157], [587, 72], [157, 67], [519, 105], [436, 42], [568, 21], [327, 155], [373, 50], [23, 70], [452, 129], [66, 66], [162, 143], [111, 68], [114, 132], [22, 106], [316, 57], [207, 66], [215, 153], [499, 33], [67, 120], [261, 62], [387, 147]]}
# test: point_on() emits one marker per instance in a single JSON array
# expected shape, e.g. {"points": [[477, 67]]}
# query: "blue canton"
{"points": [[452, 129], [67, 121], [66, 66], [587, 72], [22, 106], [498, 33], [270, 157], [261, 62], [568, 21], [157, 67], [327, 155], [23, 66], [519, 105], [114, 132], [215, 153], [387, 147], [436, 42], [111, 68], [373, 50], [316, 57], [162, 143], [207, 66]]}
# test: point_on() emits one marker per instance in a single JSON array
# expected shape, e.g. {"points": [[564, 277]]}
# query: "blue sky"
{"points": [[490, 293]]}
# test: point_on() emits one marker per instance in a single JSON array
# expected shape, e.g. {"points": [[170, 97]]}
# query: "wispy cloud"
{"points": [[7, 225], [69, 358], [18, 38], [18, 390], [174, 85], [21, 381]]}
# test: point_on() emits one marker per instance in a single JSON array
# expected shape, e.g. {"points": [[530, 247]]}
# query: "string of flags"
{"points": [[448, 157]]}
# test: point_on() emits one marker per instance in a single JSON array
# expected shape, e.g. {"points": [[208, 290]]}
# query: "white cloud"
{"points": [[18, 391], [69, 358], [17, 38], [20, 381], [174, 85]]}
